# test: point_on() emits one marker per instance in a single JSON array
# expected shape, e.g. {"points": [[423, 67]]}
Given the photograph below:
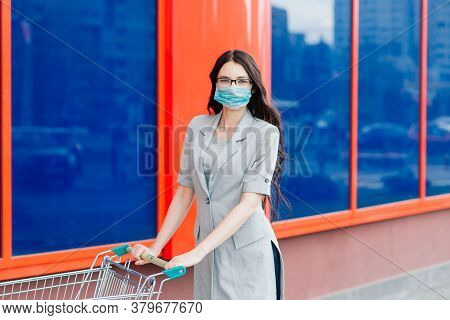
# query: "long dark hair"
{"points": [[260, 106]]}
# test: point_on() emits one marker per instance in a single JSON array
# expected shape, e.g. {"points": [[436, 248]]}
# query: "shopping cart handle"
{"points": [[124, 249], [172, 273], [120, 250], [175, 272]]}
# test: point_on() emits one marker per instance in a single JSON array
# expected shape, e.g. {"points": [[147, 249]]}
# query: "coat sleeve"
{"points": [[258, 178], [186, 166]]}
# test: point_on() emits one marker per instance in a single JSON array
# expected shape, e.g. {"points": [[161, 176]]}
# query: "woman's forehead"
{"points": [[233, 70]]}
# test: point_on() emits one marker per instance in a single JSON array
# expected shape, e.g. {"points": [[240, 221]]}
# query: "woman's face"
{"points": [[234, 71]]}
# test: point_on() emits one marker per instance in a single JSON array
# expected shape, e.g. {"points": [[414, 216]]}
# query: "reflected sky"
{"points": [[315, 19]]}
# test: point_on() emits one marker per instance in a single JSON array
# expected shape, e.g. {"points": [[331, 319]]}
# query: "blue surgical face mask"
{"points": [[233, 96]]}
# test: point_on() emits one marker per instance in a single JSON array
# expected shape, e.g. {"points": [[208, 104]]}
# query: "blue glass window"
{"points": [[310, 87], [388, 101], [438, 111], [83, 98]]}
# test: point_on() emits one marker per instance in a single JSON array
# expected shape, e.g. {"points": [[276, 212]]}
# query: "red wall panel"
{"points": [[201, 31]]}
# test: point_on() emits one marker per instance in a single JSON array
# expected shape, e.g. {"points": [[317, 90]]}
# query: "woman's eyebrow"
{"points": [[236, 78]]}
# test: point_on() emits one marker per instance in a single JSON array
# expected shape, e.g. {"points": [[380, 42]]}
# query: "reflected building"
{"points": [[110, 37], [83, 81], [388, 101], [310, 85], [438, 59], [438, 98]]}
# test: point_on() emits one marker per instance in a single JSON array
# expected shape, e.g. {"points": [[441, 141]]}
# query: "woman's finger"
{"points": [[139, 252], [141, 262], [134, 250], [140, 249], [152, 252]]}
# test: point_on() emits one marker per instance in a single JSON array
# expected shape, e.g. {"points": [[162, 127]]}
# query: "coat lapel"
{"points": [[236, 142], [204, 138]]}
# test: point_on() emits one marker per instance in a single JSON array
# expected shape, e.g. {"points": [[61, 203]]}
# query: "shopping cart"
{"points": [[111, 280]]}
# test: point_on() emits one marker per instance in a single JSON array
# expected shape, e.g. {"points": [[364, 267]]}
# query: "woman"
{"points": [[230, 160]]}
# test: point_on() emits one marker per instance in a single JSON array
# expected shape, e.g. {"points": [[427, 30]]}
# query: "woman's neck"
{"points": [[230, 118]]}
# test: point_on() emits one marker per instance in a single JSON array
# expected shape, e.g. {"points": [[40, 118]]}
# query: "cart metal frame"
{"points": [[111, 280]]}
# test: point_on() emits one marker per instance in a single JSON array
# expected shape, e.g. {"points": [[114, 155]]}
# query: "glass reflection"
{"points": [[310, 85], [83, 82], [438, 111], [388, 101]]}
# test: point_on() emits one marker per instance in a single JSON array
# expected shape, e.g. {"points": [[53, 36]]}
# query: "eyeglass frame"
{"points": [[235, 80]]}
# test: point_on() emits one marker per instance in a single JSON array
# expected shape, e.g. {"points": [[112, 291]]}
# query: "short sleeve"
{"points": [[258, 178], [184, 174]]}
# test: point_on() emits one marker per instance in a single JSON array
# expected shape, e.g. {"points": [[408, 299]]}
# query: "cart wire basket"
{"points": [[111, 280]]}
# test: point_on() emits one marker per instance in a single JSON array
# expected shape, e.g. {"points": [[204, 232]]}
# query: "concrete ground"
{"points": [[424, 284]]}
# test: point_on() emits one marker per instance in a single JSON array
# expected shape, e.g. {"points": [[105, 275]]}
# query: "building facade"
{"points": [[96, 100]]}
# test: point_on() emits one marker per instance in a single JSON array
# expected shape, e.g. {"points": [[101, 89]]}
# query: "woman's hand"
{"points": [[139, 249], [187, 259]]}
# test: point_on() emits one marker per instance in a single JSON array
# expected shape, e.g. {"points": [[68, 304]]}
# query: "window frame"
{"points": [[354, 215]]}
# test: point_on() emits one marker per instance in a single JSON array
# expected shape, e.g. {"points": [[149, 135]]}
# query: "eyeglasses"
{"points": [[226, 82]]}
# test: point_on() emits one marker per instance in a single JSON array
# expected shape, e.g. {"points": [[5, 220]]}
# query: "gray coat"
{"points": [[242, 267]]}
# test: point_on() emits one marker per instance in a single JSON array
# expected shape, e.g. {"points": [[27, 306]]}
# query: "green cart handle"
{"points": [[172, 273]]}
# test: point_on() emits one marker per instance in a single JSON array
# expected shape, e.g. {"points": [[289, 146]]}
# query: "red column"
{"points": [[198, 33], [423, 99], [5, 133]]}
